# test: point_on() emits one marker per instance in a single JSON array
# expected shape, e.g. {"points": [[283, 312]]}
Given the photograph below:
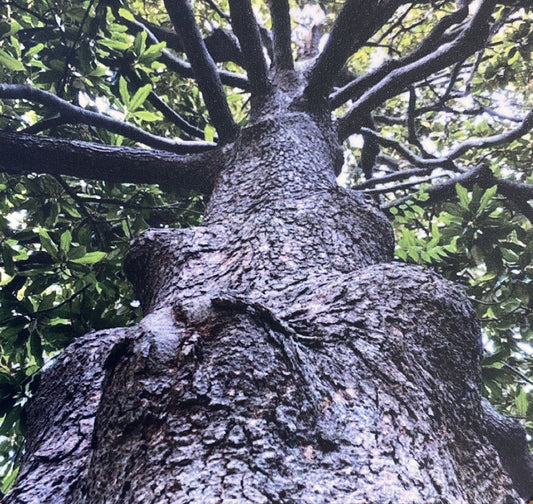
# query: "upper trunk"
{"points": [[283, 358]]}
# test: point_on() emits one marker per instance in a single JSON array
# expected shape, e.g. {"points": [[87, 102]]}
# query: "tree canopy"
{"points": [[99, 98]]}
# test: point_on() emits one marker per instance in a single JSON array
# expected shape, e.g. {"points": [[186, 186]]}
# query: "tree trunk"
{"points": [[284, 358]]}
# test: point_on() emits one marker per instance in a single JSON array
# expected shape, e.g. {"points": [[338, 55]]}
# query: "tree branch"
{"points": [[184, 69], [245, 27], [355, 24], [44, 124], [492, 141], [205, 70], [281, 31], [470, 39], [21, 154], [369, 151], [393, 177], [160, 105], [474, 143], [407, 154], [78, 115], [215, 7], [221, 44], [516, 193]]}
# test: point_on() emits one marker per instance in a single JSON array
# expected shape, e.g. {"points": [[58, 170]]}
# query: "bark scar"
{"points": [[258, 311]]}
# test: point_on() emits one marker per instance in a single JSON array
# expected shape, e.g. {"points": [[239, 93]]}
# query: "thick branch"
{"points": [[281, 31], [356, 23], [78, 115], [205, 70], [245, 27], [356, 88], [20, 154], [466, 43]]}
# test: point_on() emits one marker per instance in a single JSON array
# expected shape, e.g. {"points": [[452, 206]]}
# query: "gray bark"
{"points": [[284, 356]]}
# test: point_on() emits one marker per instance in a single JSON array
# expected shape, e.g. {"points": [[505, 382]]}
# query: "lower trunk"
{"points": [[284, 358]]}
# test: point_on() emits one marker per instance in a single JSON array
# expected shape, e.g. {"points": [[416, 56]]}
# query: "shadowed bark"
{"points": [[21, 154]]}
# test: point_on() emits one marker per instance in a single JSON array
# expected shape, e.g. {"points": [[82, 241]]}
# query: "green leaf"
{"points": [[462, 192], [139, 97], [77, 252], [47, 242], [145, 115], [512, 55], [487, 196], [123, 90], [522, 403], [10, 419], [36, 347], [209, 133], [10, 63], [90, 258], [121, 45], [126, 14], [139, 45], [152, 53], [65, 241], [33, 51], [7, 258], [9, 480]]}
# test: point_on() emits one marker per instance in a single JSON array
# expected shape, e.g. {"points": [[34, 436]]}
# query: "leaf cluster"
{"points": [[479, 243]]}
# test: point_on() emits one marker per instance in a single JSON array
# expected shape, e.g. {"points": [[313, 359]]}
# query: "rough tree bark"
{"points": [[284, 356]]}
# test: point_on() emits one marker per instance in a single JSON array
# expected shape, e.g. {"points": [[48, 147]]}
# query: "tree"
{"points": [[282, 356]]}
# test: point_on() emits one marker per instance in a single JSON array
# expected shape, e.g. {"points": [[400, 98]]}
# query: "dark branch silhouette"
{"points": [[184, 69], [245, 27], [160, 105], [221, 44], [469, 40], [474, 143], [355, 88], [516, 194], [77, 115], [22, 154], [355, 24], [205, 70], [281, 30]]}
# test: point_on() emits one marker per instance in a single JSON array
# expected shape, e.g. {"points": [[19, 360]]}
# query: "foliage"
{"points": [[488, 249]]}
